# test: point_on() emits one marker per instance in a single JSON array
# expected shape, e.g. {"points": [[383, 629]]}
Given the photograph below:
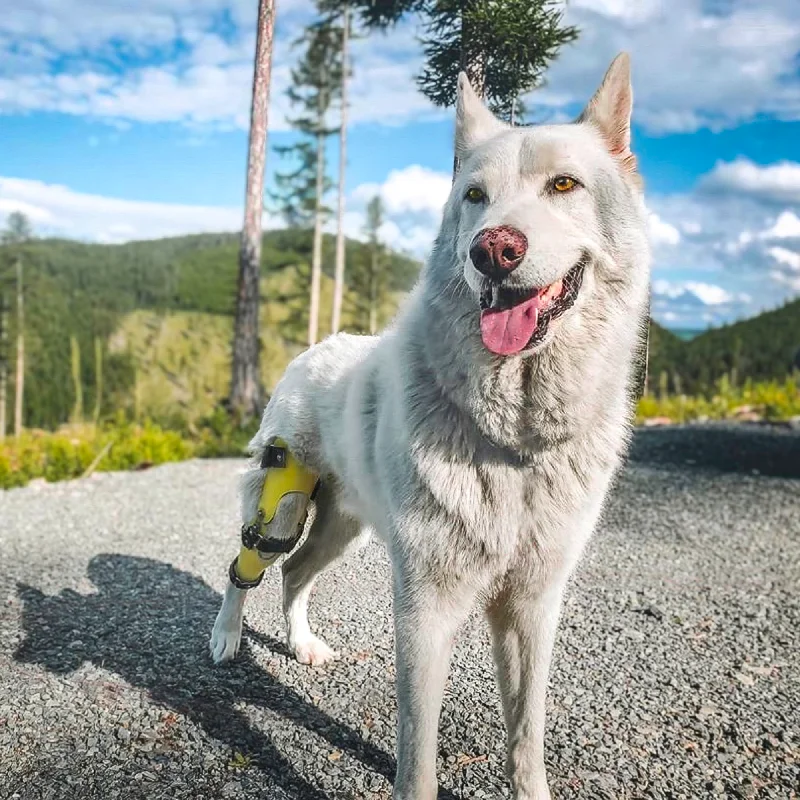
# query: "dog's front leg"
{"points": [[226, 636], [426, 620], [523, 623]]}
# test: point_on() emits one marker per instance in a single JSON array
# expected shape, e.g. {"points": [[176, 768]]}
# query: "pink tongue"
{"points": [[507, 331]]}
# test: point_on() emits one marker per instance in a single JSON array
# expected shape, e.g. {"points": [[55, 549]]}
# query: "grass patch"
{"points": [[70, 451], [123, 445], [772, 401]]}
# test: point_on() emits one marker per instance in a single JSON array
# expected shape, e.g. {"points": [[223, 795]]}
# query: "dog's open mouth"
{"points": [[514, 319]]}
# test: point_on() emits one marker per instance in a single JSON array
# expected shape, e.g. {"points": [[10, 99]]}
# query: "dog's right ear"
{"points": [[474, 122]]}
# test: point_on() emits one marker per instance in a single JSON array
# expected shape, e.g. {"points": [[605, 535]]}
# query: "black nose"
{"points": [[496, 252]]}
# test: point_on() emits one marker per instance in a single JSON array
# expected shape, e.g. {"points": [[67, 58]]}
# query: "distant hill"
{"points": [[161, 312], [73, 289], [761, 348], [685, 334]]}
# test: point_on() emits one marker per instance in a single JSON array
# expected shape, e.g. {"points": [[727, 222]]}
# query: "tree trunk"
{"points": [[3, 365], [246, 396], [75, 360], [98, 378], [642, 368], [20, 381], [373, 293], [474, 64], [338, 286], [316, 255]]}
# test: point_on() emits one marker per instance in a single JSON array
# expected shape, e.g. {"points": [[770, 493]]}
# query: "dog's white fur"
{"points": [[483, 475]]}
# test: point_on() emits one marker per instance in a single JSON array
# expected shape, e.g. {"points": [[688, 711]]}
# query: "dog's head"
{"points": [[543, 222]]}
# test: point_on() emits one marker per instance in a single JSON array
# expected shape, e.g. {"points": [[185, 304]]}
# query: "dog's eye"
{"points": [[563, 183], [475, 195]]}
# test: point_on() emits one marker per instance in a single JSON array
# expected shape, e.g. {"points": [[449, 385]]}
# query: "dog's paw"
{"points": [[314, 652], [224, 642]]}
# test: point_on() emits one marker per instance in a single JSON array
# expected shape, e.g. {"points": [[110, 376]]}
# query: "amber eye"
{"points": [[475, 195], [563, 183]]}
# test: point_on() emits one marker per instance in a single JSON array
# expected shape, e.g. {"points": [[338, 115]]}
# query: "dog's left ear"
{"points": [[610, 111], [474, 122]]}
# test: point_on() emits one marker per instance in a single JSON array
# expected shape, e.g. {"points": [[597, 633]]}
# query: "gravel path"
{"points": [[675, 674]]}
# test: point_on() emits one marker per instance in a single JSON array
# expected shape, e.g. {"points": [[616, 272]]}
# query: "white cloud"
{"points": [[623, 10], [413, 200], [786, 226], [166, 60], [59, 211], [410, 225], [691, 227], [122, 67], [788, 258], [662, 232], [791, 282], [776, 182], [37, 214], [744, 51], [706, 293], [413, 189]]}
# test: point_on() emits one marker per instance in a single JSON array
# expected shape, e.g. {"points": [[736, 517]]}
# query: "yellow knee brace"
{"points": [[282, 511]]}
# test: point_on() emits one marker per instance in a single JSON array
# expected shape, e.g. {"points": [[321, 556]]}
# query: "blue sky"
{"points": [[123, 120]]}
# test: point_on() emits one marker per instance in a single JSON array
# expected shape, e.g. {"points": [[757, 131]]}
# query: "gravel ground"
{"points": [[675, 674]]}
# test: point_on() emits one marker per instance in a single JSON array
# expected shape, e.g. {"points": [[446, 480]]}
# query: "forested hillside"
{"points": [[77, 295], [765, 347], [158, 314]]}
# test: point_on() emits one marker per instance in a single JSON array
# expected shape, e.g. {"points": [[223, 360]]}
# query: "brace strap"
{"points": [[233, 575], [285, 475], [253, 540]]}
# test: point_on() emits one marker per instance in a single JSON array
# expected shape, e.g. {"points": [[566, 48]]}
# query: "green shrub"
{"points": [[68, 453], [219, 435], [121, 444], [773, 401]]}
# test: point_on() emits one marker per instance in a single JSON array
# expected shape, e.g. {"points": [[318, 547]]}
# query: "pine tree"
{"points": [[369, 273], [504, 46], [98, 378], [18, 231], [77, 383], [246, 393], [316, 84], [294, 198], [338, 286], [5, 307]]}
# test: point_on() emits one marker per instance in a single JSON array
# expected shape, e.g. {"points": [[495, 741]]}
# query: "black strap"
{"points": [[238, 582], [253, 540]]}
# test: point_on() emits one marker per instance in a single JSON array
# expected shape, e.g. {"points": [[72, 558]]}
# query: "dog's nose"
{"points": [[497, 251]]}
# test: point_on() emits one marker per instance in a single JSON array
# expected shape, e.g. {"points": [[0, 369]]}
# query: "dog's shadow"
{"points": [[149, 623]]}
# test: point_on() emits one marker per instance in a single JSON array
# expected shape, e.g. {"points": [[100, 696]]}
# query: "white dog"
{"points": [[478, 436]]}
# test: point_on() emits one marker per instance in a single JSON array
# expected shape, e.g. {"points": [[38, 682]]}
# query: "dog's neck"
{"points": [[522, 404]]}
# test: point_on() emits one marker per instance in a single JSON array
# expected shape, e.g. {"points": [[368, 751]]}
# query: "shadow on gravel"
{"points": [[774, 453], [149, 623]]}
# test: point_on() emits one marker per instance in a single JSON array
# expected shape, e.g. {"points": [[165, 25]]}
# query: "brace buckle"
{"points": [[274, 456]]}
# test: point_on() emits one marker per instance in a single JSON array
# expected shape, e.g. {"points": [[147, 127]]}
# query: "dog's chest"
{"points": [[495, 508]]}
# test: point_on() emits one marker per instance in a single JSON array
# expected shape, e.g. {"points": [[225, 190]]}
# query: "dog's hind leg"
{"points": [[275, 497], [331, 536]]}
